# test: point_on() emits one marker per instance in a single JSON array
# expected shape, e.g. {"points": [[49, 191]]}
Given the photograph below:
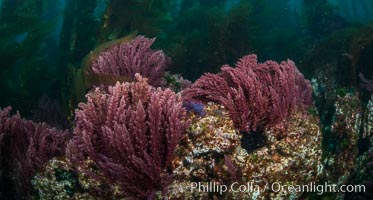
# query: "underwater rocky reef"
{"points": [[247, 124], [186, 99]]}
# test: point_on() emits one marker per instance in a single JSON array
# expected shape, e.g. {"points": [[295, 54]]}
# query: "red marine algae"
{"points": [[130, 133], [255, 94], [128, 58]]}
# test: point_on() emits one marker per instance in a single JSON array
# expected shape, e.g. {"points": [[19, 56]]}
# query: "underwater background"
{"points": [[141, 99]]}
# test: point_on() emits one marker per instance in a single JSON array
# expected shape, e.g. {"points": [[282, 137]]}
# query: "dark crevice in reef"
{"points": [[253, 140]]}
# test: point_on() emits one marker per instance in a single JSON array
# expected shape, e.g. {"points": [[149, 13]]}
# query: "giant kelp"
{"points": [[216, 34], [78, 32], [122, 17], [321, 17], [25, 70]]}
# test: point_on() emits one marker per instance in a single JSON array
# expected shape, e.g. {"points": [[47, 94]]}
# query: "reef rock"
{"points": [[211, 163]]}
